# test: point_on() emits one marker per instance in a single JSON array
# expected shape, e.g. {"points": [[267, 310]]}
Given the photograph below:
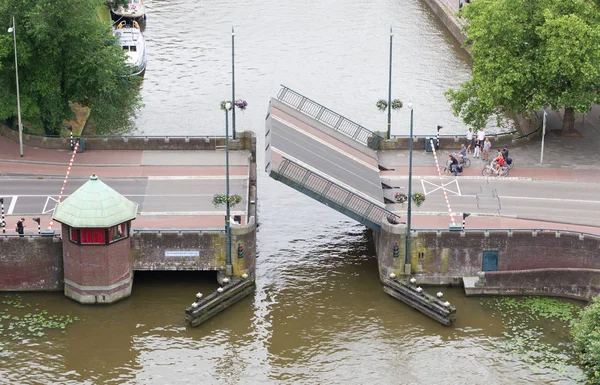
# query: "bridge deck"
{"points": [[305, 141]]}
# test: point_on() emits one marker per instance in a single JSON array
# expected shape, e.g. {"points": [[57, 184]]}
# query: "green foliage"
{"points": [[529, 54], [530, 323], [65, 54], [586, 337], [221, 199]]}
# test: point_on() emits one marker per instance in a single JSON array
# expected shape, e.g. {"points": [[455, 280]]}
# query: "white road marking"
{"points": [[290, 125], [440, 187], [49, 198], [13, 202]]}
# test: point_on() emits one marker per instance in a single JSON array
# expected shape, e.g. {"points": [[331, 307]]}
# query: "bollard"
{"points": [[2, 221]]}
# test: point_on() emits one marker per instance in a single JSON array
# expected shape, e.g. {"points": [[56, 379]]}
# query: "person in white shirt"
{"points": [[469, 140]]}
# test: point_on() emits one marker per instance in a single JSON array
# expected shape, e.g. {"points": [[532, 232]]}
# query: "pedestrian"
{"points": [[480, 136], [487, 145], [469, 140], [460, 4], [504, 152], [20, 227], [477, 150]]}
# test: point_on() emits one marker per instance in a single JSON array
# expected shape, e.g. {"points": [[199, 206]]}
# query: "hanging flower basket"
{"points": [[381, 105], [396, 104], [224, 105], [241, 104], [400, 197], [418, 198], [221, 199]]}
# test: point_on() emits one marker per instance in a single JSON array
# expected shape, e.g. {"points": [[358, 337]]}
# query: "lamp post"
{"points": [[228, 266], [13, 30], [543, 136], [408, 213], [389, 122], [233, 80]]}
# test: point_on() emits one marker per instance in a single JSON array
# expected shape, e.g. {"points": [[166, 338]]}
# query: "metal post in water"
{"points": [[228, 265], [233, 80], [408, 213], [389, 122]]}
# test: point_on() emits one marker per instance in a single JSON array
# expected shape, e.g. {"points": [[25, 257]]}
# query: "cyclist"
{"points": [[498, 162], [453, 164]]}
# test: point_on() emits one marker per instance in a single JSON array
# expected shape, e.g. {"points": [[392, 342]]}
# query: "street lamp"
{"points": [[13, 30], [408, 213], [233, 79], [228, 265], [389, 122]]}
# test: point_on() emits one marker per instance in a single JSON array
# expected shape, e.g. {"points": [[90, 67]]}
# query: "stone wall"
{"points": [[31, 263], [444, 257], [167, 250], [571, 283], [244, 140]]}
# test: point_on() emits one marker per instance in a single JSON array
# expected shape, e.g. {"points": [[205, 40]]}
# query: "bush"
{"points": [[586, 337]]}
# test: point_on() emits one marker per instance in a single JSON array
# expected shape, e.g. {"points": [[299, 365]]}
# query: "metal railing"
{"points": [[178, 231], [330, 118], [336, 196], [457, 137]]}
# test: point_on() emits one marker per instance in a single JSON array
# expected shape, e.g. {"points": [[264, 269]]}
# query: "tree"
{"points": [[530, 54], [65, 54], [586, 338]]}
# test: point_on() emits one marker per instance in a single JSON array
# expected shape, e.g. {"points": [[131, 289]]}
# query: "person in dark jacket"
{"points": [[20, 228]]}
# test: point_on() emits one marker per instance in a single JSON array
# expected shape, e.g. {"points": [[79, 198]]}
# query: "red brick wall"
{"points": [[96, 265], [31, 264]]}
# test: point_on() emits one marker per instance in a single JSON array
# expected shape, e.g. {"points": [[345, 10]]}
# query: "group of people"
{"points": [[481, 145], [481, 149]]}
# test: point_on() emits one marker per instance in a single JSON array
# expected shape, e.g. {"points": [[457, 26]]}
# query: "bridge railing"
{"points": [[533, 230], [330, 118], [326, 191]]}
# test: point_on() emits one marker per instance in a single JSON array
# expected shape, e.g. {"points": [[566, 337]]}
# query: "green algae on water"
{"points": [[536, 331], [18, 325]]}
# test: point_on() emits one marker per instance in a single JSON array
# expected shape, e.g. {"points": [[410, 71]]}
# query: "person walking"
{"points": [[487, 145], [477, 150], [481, 136], [20, 227], [469, 140]]}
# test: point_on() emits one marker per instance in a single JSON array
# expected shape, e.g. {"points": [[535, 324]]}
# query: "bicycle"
{"points": [[447, 170], [489, 170]]}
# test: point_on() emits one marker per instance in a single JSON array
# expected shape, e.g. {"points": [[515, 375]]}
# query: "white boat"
{"points": [[133, 43], [135, 9]]}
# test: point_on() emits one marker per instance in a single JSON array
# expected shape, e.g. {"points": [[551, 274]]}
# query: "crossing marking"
{"points": [[442, 187], [48, 199], [13, 202]]}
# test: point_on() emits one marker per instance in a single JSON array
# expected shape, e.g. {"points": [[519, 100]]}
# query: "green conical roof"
{"points": [[95, 205]]}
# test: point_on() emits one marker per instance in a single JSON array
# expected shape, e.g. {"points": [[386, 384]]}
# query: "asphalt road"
{"points": [[160, 196], [326, 160], [573, 203]]}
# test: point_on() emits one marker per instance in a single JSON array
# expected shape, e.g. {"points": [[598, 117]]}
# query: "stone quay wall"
{"points": [[244, 141], [540, 262], [31, 263]]}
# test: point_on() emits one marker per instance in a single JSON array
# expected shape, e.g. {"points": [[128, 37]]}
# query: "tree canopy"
{"points": [[65, 54], [586, 338], [527, 55]]}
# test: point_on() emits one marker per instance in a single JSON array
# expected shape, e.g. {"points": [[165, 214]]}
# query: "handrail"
{"points": [[433, 135], [536, 229], [330, 118], [51, 235], [332, 191], [531, 133]]}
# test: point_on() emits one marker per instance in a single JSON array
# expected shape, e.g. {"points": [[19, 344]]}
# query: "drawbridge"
{"points": [[325, 156]]}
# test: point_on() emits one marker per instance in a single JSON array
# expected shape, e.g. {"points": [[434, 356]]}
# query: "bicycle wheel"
{"points": [[466, 162], [487, 171], [504, 171]]}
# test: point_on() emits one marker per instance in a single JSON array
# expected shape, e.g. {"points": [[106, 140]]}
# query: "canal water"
{"points": [[319, 315]]}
